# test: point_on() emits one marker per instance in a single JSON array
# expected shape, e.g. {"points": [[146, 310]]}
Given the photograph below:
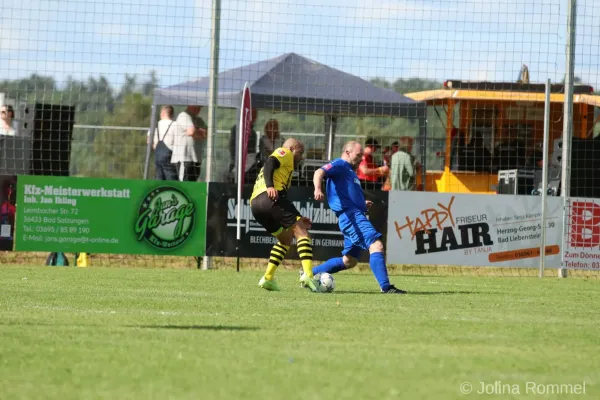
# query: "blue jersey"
{"points": [[344, 192]]}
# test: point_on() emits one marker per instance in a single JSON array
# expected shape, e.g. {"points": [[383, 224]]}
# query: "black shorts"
{"points": [[274, 216]]}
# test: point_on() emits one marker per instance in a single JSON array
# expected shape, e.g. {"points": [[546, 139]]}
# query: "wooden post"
{"points": [[583, 118], [449, 127]]}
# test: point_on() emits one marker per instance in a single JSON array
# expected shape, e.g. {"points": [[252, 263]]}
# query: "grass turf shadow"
{"points": [[409, 293], [181, 327], [197, 327]]}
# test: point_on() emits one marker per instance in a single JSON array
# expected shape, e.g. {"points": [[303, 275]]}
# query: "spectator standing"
{"points": [[403, 168], [8, 125], [387, 161], [270, 140], [252, 160], [368, 172], [189, 143], [164, 142]]}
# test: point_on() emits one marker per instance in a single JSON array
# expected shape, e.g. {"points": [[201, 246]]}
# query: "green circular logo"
{"points": [[165, 218]]}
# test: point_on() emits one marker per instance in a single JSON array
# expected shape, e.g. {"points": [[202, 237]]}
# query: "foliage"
{"points": [[121, 153]]}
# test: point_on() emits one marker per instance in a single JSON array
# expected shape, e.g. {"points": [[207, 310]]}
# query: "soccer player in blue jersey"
{"points": [[346, 199]]}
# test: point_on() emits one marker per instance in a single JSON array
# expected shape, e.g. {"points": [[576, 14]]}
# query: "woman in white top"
{"points": [[163, 144], [8, 126]]}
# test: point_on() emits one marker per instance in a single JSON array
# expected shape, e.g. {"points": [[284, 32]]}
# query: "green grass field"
{"points": [[88, 333]]}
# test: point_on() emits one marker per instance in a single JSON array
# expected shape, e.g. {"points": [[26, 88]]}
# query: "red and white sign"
{"points": [[582, 242], [245, 130]]}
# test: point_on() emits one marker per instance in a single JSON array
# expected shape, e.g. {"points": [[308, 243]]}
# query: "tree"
{"points": [[151, 84], [576, 80], [408, 85], [129, 87], [33, 88], [122, 153], [415, 85], [381, 82]]}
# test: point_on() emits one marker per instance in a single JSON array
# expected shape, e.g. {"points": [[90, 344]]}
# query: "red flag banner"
{"points": [[245, 129]]}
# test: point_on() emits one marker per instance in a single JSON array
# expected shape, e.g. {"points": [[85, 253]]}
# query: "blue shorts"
{"points": [[359, 233]]}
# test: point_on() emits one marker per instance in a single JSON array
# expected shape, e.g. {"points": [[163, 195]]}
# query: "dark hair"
{"points": [[10, 110], [273, 123], [170, 110], [371, 142]]}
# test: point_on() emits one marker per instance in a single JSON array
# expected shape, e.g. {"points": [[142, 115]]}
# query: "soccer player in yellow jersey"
{"points": [[272, 209]]}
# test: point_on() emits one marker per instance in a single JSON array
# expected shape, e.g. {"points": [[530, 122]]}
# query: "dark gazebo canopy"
{"points": [[292, 83]]}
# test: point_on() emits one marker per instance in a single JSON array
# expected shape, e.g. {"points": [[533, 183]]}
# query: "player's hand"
{"points": [[319, 194], [369, 204], [272, 193]]}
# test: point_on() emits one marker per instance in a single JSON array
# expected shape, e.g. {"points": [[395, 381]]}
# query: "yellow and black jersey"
{"points": [[282, 175]]}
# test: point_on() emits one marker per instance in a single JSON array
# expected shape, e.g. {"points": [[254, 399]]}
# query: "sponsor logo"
{"points": [[316, 212], [435, 230], [585, 224], [165, 218]]}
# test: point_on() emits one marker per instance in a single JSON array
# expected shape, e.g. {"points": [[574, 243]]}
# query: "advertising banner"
{"points": [[115, 216], [8, 191], [327, 242], [582, 242], [472, 230]]}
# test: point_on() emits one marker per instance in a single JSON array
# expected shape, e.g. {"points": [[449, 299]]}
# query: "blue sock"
{"points": [[377, 264], [330, 266]]}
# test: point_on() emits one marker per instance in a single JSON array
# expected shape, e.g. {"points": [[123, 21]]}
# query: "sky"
{"points": [[462, 39]]}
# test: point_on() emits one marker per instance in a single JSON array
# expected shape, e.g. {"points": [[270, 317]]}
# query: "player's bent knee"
{"points": [[376, 247], [301, 229], [301, 233], [286, 241], [285, 238], [349, 262]]}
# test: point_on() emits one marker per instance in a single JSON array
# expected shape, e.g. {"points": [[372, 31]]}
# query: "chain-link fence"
{"points": [[451, 96]]}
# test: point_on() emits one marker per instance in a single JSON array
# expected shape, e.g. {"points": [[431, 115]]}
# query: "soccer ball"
{"points": [[326, 282]]}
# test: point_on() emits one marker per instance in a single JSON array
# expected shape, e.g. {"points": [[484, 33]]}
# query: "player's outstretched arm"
{"points": [[318, 181]]}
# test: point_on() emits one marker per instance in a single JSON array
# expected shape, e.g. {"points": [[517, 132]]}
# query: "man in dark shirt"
{"points": [[252, 167], [368, 172]]}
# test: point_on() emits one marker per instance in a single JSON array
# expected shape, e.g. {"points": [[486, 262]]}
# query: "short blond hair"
{"points": [[170, 110]]}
